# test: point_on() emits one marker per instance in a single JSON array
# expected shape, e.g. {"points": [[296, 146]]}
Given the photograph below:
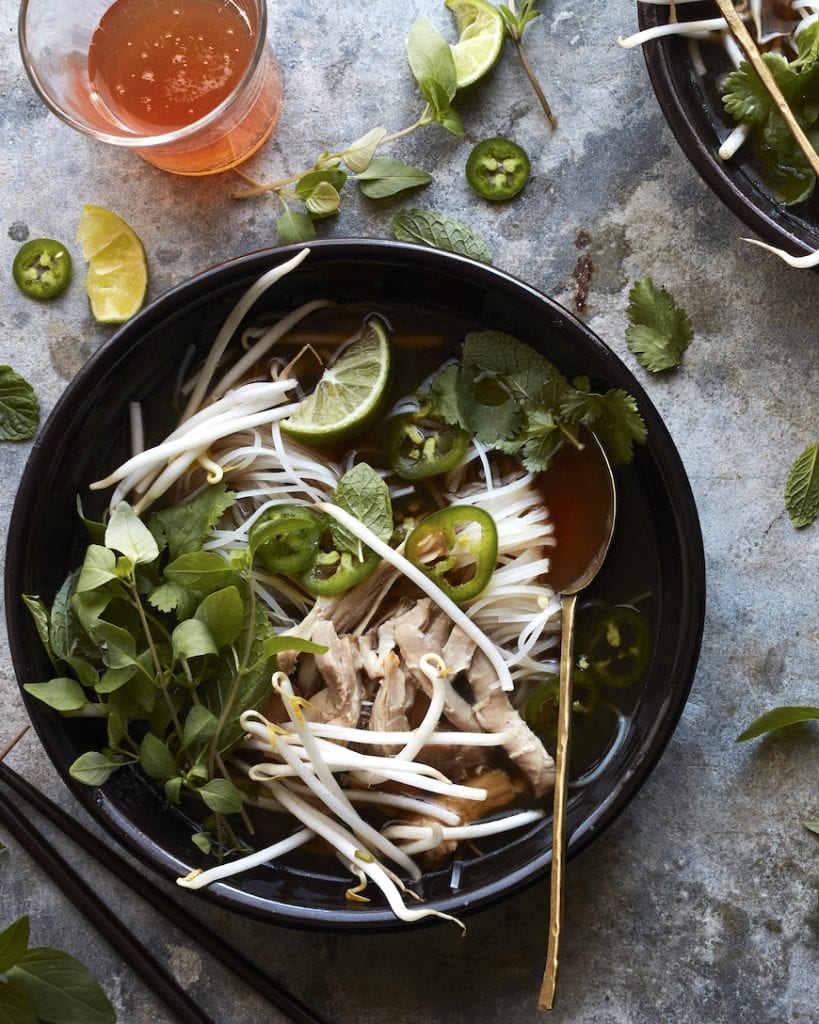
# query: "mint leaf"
{"points": [[812, 826], [62, 694], [19, 408], [659, 330], [13, 943], [184, 528], [363, 494], [386, 176], [60, 988], [426, 227], [802, 488], [529, 377], [778, 718]]}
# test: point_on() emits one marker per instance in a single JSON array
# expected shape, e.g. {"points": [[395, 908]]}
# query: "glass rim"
{"points": [[129, 139]]}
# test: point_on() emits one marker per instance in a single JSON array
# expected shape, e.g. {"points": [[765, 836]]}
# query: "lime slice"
{"points": [[117, 269], [480, 38], [349, 395]]}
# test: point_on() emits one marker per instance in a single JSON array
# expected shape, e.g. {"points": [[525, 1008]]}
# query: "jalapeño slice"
{"points": [[497, 169], [616, 643], [420, 446], [42, 268], [457, 547]]}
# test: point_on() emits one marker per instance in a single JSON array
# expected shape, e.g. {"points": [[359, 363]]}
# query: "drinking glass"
{"points": [[56, 37]]}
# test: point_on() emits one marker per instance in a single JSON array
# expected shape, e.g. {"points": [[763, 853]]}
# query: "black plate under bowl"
{"points": [[692, 106], [657, 550]]}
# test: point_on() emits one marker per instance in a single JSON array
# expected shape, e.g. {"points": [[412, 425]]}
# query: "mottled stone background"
{"points": [[699, 904]]}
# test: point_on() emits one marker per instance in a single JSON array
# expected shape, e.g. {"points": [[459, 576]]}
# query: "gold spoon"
{"points": [[600, 504]]}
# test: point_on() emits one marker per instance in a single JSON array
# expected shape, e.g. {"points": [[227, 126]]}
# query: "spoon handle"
{"points": [[558, 877]]}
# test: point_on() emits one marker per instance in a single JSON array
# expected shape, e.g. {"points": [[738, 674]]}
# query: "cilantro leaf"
{"points": [[443, 399], [19, 408], [802, 488], [659, 331], [426, 227], [746, 99], [543, 438], [613, 416]]}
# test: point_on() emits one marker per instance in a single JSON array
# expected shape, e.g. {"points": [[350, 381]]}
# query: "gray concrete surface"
{"points": [[699, 905]]}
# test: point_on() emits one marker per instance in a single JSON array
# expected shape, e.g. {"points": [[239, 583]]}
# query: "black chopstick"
{"points": [[126, 944], [231, 958]]}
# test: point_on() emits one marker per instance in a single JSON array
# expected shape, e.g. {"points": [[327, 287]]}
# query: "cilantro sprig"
{"points": [[515, 401]]}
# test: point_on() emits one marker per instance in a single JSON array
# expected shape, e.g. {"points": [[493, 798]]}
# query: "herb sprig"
{"points": [[165, 643], [515, 401], [39, 984], [516, 21], [19, 407], [319, 187], [802, 488], [748, 101], [659, 331]]}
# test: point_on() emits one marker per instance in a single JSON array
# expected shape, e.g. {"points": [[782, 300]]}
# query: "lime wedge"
{"points": [[117, 275], [480, 38], [349, 395]]}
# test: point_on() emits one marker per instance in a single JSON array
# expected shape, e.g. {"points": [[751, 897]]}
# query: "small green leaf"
{"points": [[117, 647], [98, 568], [62, 694], [358, 155], [432, 63], [127, 534], [363, 494], [812, 826], [93, 768], [659, 331], [613, 416], [60, 988], [293, 227], [307, 185], [192, 639], [173, 789], [39, 613], [15, 1006], [223, 612], [778, 718], [19, 408], [386, 176], [426, 227], [156, 759], [113, 678], [203, 571], [200, 725], [202, 841], [13, 943], [323, 201], [802, 488], [221, 796]]}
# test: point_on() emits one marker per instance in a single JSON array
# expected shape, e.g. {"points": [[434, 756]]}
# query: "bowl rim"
{"points": [[674, 478], [697, 133]]}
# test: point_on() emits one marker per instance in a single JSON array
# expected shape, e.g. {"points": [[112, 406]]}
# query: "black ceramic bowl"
{"points": [[692, 106], [657, 550]]}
